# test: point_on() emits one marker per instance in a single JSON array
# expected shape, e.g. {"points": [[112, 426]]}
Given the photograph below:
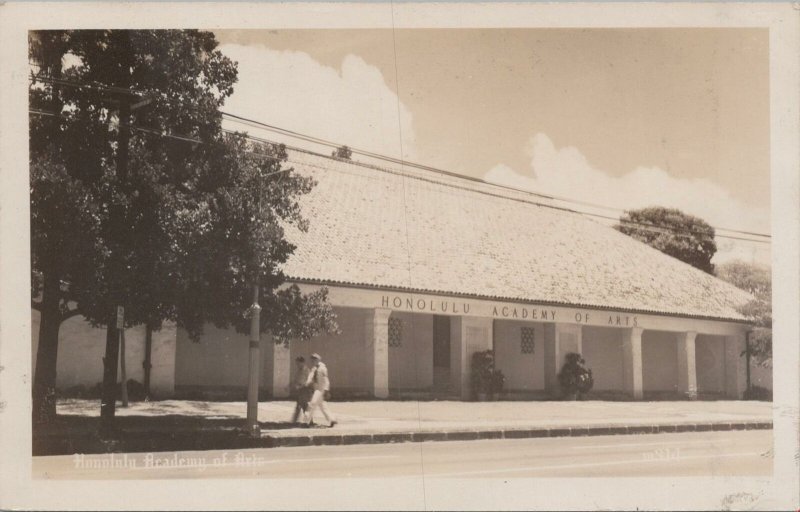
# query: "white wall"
{"points": [[602, 350], [81, 348], [523, 372], [344, 354], [411, 364], [219, 359], [659, 361], [710, 363]]}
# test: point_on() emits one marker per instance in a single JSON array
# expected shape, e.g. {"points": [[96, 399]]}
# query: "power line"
{"points": [[402, 162], [639, 224], [252, 122]]}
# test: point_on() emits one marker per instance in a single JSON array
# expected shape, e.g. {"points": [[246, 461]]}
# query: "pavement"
{"points": [[187, 425]]}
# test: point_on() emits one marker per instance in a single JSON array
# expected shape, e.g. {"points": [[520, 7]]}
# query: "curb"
{"points": [[155, 441], [271, 441]]}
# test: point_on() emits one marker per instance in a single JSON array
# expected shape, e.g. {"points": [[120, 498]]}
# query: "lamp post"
{"points": [[255, 363]]}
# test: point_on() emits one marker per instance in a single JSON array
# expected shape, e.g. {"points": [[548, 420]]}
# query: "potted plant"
{"points": [[575, 379], [498, 383], [482, 375]]}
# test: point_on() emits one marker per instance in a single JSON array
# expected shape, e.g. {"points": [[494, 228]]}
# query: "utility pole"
{"points": [[255, 363], [123, 373], [108, 402], [146, 364], [120, 245]]}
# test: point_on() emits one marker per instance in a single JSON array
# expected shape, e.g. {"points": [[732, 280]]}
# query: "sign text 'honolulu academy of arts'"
{"points": [[513, 312]]}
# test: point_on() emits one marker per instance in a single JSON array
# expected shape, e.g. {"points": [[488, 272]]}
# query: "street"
{"points": [[734, 453]]}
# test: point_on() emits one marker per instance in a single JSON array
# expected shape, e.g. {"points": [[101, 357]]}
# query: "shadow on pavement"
{"points": [[70, 434]]}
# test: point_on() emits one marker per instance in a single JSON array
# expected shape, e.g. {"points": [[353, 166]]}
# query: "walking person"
{"points": [[300, 389], [318, 380]]}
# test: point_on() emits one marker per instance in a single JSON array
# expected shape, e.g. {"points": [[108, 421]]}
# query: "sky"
{"points": [[624, 118]]}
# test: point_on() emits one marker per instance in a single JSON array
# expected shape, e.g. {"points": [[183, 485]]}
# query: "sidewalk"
{"points": [[183, 425], [376, 422]]}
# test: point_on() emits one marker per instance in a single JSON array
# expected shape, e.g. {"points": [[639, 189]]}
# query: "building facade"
{"points": [[423, 270]]}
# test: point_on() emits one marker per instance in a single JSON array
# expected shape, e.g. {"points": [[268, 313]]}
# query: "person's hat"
{"points": [[315, 356]]}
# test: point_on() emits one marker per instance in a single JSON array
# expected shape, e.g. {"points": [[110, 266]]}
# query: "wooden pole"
{"points": [[122, 372], [147, 364], [108, 402]]}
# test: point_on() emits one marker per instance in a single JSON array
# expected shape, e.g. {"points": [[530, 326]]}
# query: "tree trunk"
{"points": [[44, 377], [44, 381], [108, 403], [146, 364]]}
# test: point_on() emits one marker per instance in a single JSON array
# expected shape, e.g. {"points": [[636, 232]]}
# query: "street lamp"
{"points": [[254, 312]]}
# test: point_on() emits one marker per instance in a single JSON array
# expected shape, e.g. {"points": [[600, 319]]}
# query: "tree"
{"points": [[682, 236], [184, 217], [757, 280], [64, 221], [242, 242], [342, 152]]}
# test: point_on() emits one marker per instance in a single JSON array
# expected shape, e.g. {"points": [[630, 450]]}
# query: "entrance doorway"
{"points": [[441, 355]]}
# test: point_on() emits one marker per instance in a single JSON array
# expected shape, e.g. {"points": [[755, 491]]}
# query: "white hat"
{"points": [[315, 356]]}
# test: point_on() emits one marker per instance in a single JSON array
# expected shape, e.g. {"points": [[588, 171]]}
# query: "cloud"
{"points": [[351, 105], [565, 172]]}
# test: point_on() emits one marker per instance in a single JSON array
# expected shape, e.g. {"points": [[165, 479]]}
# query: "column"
{"points": [[560, 339], [687, 369], [281, 369], [735, 366], [377, 348], [632, 362], [550, 355], [467, 336]]}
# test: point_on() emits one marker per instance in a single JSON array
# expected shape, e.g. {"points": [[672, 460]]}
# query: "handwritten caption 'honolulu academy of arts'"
{"points": [[505, 311]]}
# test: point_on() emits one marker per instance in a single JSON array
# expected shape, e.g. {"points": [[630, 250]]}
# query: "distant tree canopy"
{"points": [[342, 152], [682, 236], [757, 280]]}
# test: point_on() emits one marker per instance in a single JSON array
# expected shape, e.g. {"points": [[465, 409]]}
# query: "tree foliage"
{"points": [[140, 199], [757, 280], [343, 152], [682, 236]]}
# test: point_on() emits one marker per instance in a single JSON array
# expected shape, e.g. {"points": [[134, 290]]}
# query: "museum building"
{"points": [[424, 269]]}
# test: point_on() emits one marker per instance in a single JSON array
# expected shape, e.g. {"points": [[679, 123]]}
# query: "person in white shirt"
{"points": [[319, 382]]}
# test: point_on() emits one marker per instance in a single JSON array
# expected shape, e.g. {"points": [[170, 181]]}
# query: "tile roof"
{"points": [[420, 231]]}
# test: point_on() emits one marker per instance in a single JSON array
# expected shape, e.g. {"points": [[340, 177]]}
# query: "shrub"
{"points": [[482, 372], [758, 393], [498, 382], [574, 377]]}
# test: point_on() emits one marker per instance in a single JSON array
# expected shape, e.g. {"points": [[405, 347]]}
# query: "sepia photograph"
{"points": [[420, 256]]}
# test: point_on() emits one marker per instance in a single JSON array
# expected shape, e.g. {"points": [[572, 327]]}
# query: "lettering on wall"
{"points": [[426, 305], [523, 313], [512, 312], [623, 320]]}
